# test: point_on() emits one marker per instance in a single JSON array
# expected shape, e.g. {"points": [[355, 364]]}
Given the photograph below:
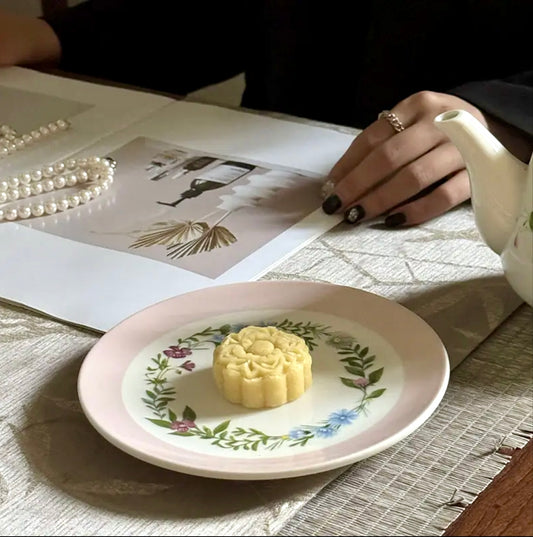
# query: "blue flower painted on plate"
{"points": [[325, 432], [343, 417]]}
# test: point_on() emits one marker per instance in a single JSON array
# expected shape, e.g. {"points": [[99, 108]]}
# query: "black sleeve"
{"points": [[168, 45], [509, 100]]}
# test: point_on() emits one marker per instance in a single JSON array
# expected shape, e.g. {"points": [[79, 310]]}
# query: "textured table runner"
{"points": [[422, 484], [58, 475]]}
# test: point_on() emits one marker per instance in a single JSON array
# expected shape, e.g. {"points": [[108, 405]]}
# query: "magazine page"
{"points": [[31, 100], [202, 195]]}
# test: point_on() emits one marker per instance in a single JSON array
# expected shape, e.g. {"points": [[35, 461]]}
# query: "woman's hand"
{"points": [[26, 40], [413, 175]]}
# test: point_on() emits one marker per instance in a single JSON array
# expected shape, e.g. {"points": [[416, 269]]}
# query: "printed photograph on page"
{"points": [[201, 212]]}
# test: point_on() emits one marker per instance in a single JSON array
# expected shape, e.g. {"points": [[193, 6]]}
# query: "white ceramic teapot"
{"points": [[502, 196]]}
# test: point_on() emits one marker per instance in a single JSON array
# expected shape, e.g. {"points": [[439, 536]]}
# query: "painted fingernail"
{"points": [[331, 204], [395, 220], [354, 214], [327, 189]]}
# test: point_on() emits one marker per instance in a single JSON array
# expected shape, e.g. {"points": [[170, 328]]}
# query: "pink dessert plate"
{"points": [[379, 372]]}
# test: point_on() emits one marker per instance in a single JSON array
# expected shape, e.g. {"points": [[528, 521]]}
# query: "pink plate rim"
{"points": [[423, 355]]}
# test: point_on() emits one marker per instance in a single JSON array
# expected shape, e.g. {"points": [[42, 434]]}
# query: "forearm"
{"points": [[26, 41]]}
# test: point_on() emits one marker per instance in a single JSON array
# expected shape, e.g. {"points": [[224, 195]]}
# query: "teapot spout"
{"points": [[497, 177]]}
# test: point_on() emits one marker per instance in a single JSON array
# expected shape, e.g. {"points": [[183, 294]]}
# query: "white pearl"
{"points": [[28, 138], [59, 167], [3, 197], [37, 209], [24, 211], [20, 143], [82, 162], [45, 131], [71, 164], [48, 185], [13, 182], [53, 127], [85, 196], [11, 214], [95, 190], [13, 194], [104, 185], [74, 200], [50, 207], [71, 179], [3, 186], [3, 151], [25, 178], [48, 171], [59, 181], [36, 135], [36, 175], [83, 176], [11, 148], [62, 124], [24, 191], [62, 204], [36, 189]]}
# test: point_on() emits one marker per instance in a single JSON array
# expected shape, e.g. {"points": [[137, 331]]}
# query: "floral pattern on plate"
{"points": [[359, 363]]}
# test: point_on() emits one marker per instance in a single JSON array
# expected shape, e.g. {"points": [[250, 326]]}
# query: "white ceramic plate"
{"points": [[379, 371]]}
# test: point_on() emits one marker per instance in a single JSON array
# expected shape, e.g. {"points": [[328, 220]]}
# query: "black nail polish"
{"points": [[395, 220], [331, 204], [354, 214]]}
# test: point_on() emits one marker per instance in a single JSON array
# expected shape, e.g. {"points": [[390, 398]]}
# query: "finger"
{"points": [[365, 142], [370, 138], [382, 162], [411, 180], [451, 193]]}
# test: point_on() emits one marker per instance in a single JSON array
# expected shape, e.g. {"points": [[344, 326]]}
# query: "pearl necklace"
{"points": [[95, 170], [11, 141]]}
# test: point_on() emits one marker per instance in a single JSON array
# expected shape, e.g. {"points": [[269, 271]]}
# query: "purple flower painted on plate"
{"points": [[325, 432], [342, 417], [188, 365], [182, 426], [362, 382], [175, 351]]}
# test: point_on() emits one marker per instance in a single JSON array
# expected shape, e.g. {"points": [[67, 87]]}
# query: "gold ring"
{"points": [[393, 119]]}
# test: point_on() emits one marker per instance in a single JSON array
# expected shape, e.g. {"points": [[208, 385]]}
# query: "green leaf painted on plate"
{"points": [[189, 414], [161, 423], [375, 375], [347, 382], [358, 371], [221, 427]]}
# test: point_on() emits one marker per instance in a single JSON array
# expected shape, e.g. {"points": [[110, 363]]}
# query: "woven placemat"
{"points": [[422, 484]]}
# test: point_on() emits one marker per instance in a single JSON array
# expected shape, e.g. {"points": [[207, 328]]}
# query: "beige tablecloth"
{"points": [[58, 476]]}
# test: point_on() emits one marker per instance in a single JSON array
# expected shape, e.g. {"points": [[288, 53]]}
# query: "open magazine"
{"points": [[203, 195]]}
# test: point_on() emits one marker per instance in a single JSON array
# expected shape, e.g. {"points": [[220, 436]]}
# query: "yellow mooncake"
{"points": [[262, 367]]}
